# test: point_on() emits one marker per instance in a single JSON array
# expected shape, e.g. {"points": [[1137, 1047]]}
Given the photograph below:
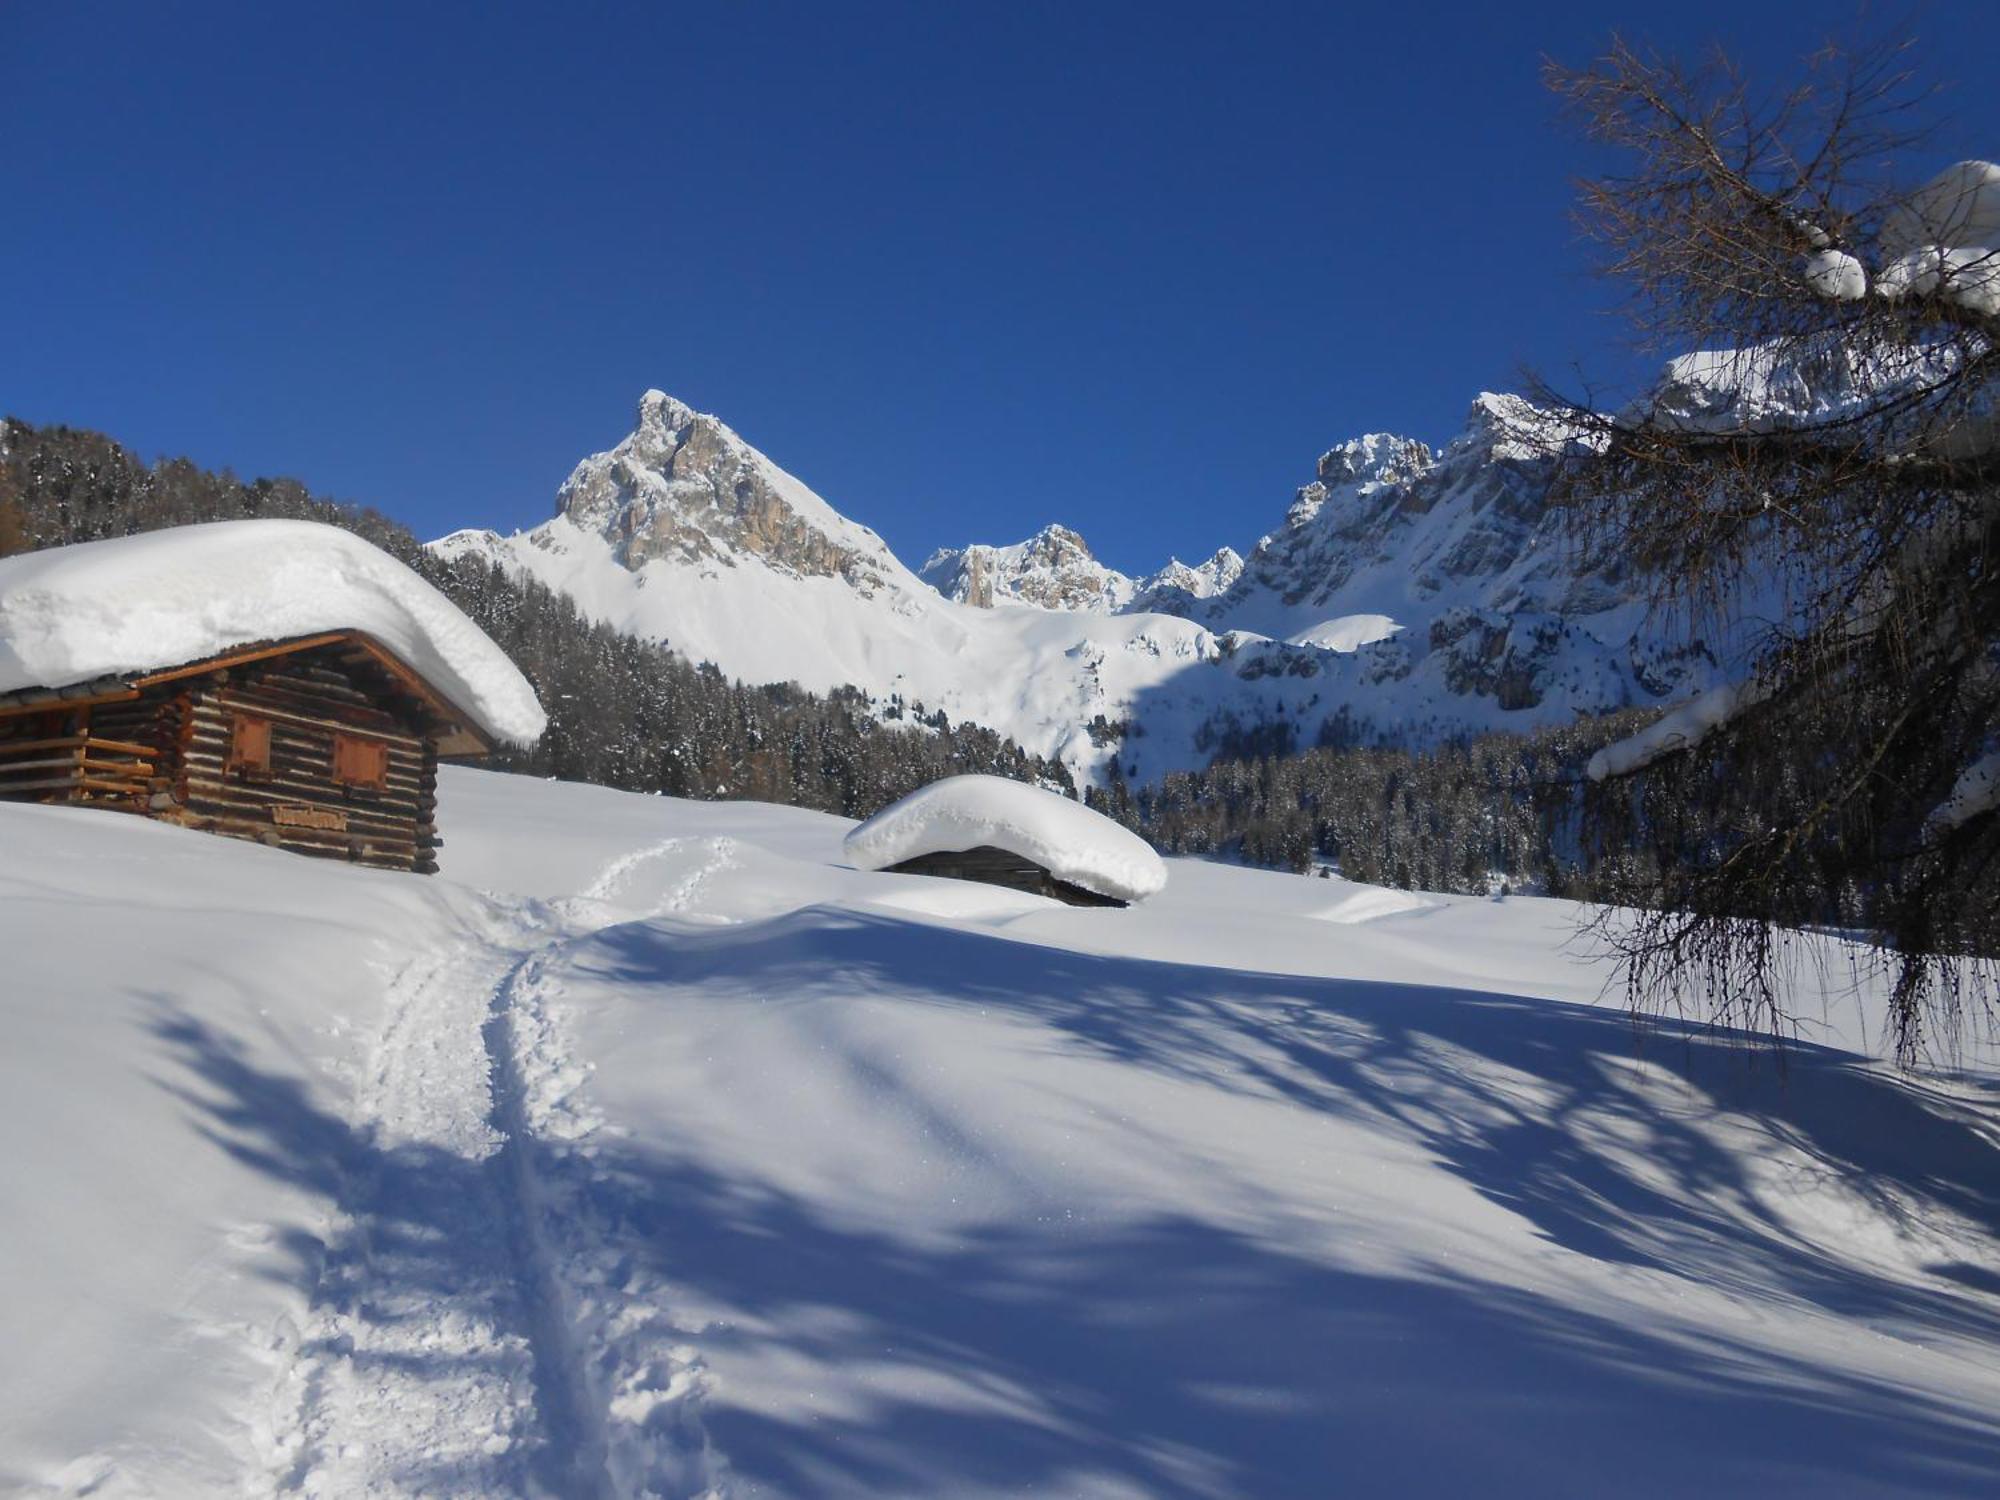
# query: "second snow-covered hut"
{"points": [[1002, 832]]}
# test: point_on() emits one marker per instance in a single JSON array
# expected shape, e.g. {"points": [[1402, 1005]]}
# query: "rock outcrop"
{"points": [[684, 486]]}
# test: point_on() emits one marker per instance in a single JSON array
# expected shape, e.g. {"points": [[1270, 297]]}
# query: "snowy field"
{"points": [[650, 1150]]}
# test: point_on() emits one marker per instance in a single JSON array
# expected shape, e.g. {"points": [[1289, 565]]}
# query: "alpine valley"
{"points": [[1408, 594]]}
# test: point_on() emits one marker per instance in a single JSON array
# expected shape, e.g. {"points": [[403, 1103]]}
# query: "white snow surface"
{"points": [[1959, 209], [1347, 633], [1066, 838], [649, 1150], [167, 598]]}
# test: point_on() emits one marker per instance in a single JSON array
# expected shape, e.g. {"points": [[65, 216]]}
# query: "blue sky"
{"points": [[962, 268]]}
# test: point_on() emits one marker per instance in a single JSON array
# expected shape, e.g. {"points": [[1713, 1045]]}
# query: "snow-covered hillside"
{"points": [[651, 1150], [1413, 593]]}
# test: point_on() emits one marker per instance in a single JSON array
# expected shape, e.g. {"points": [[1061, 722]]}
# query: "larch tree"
{"points": [[1819, 488]]}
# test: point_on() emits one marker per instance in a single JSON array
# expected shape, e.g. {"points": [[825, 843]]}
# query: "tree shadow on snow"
{"points": [[1184, 1356]]}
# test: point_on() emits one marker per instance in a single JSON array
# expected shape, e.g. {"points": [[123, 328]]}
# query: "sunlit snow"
{"points": [[651, 1150]]}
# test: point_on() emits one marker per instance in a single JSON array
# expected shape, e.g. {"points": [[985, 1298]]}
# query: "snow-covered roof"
{"points": [[969, 812], [137, 604]]}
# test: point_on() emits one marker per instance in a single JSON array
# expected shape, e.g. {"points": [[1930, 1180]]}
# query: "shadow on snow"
{"points": [[1179, 1357]]}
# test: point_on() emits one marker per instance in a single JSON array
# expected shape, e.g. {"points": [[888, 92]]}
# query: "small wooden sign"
{"points": [[310, 817]]}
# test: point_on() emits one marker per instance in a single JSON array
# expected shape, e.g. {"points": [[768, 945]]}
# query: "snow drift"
{"points": [[166, 598]]}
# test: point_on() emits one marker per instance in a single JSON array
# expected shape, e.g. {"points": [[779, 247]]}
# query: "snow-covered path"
{"points": [[448, 1346], [419, 1365]]}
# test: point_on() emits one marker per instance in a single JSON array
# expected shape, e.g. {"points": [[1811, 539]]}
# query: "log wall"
{"points": [[56, 756], [308, 700], [166, 753]]}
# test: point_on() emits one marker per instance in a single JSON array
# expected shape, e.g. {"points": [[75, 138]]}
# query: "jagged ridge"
{"points": [[1408, 593]]}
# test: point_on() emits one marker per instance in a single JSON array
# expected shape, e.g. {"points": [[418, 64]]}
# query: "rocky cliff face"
{"points": [[1178, 589], [1384, 521], [1387, 522], [1053, 569], [684, 487], [1455, 555]]}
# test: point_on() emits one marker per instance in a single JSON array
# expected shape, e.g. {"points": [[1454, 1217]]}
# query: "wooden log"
{"points": [[307, 708], [309, 725], [302, 788], [388, 851], [111, 788], [264, 794], [305, 745], [135, 767], [74, 742], [302, 749], [47, 784], [315, 771], [325, 686], [306, 738], [8, 767], [263, 817], [354, 822]]}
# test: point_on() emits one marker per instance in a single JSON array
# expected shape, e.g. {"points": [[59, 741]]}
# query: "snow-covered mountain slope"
{"points": [[1456, 556], [1388, 527], [651, 1150], [1415, 594]]}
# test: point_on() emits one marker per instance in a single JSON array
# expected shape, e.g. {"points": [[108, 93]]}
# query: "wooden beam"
{"points": [[71, 741], [460, 730], [239, 657]]}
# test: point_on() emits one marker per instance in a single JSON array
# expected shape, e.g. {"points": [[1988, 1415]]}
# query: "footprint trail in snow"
{"points": [[472, 1330]]}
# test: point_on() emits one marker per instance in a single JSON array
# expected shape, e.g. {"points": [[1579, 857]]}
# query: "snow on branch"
{"points": [[1679, 729], [1942, 241], [1976, 791]]}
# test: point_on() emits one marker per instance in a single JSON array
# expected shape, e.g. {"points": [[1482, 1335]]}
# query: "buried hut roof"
{"points": [[960, 813], [138, 604]]}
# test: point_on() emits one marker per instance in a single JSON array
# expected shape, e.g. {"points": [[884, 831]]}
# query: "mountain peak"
{"points": [[657, 408], [682, 486], [1053, 569], [1374, 458], [1055, 534], [684, 531], [1501, 426]]}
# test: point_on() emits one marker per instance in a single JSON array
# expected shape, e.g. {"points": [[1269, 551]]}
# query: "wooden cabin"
{"points": [[995, 866], [326, 745]]}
